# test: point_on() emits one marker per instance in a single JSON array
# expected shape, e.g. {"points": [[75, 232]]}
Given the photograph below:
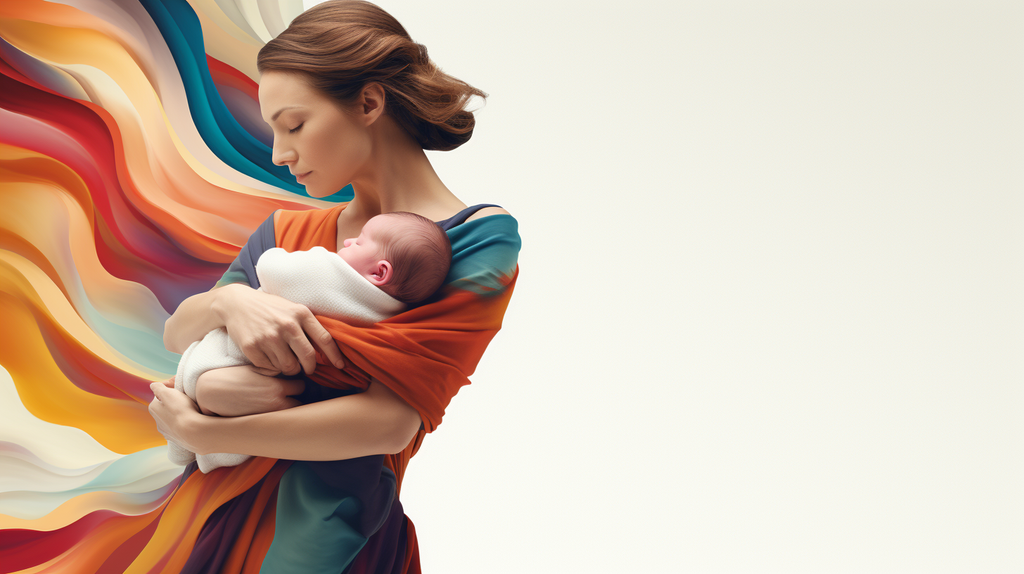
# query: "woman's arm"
{"points": [[271, 331], [194, 318], [376, 421], [234, 392]]}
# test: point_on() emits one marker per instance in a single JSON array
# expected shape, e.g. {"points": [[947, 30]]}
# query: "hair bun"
{"points": [[424, 58]]}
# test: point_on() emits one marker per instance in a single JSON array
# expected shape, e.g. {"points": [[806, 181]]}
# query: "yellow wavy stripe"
{"points": [[43, 388], [232, 43]]}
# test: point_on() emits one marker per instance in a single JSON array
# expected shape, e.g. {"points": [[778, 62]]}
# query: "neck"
{"points": [[399, 177]]}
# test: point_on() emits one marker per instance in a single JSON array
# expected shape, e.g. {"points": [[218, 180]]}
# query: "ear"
{"points": [[383, 274], [371, 102]]}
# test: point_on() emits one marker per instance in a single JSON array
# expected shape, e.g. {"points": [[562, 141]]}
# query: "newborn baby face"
{"points": [[363, 253]]}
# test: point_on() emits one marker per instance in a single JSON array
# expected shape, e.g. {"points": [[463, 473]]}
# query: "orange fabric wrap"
{"points": [[424, 355]]}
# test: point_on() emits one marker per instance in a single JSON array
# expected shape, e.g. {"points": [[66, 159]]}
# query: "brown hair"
{"points": [[341, 45], [420, 255]]}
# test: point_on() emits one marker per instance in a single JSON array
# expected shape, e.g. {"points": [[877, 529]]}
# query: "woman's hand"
{"points": [[177, 416], [245, 390], [272, 332]]}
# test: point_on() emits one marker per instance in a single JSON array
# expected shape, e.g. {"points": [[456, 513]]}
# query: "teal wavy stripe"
{"points": [[182, 32]]}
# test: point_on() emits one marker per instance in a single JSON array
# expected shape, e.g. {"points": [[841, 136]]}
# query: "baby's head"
{"points": [[404, 254]]}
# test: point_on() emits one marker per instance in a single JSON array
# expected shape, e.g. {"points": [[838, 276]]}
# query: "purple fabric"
{"points": [[209, 553], [384, 552]]}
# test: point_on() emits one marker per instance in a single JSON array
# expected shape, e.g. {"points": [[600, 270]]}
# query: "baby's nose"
{"points": [[346, 242]]}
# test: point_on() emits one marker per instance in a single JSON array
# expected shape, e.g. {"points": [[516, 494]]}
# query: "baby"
{"points": [[398, 259]]}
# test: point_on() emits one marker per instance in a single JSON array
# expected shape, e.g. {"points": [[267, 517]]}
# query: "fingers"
{"points": [[323, 341], [285, 351], [284, 360], [266, 372], [156, 407], [256, 356], [302, 350], [159, 388], [284, 338]]}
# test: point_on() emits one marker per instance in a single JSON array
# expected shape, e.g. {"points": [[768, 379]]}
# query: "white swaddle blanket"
{"points": [[319, 279]]}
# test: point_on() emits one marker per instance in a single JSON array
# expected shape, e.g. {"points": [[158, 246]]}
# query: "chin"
{"points": [[320, 192], [316, 193]]}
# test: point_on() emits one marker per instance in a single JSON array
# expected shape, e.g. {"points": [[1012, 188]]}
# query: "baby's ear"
{"points": [[382, 274]]}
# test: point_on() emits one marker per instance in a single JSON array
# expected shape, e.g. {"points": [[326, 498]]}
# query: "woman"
{"points": [[351, 100]]}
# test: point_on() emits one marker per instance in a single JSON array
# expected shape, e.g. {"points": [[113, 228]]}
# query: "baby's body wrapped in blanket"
{"points": [[319, 279]]}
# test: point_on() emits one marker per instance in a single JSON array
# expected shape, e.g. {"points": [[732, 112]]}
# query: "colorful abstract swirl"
{"points": [[133, 166]]}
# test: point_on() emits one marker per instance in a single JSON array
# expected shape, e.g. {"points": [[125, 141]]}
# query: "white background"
{"points": [[769, 316]]}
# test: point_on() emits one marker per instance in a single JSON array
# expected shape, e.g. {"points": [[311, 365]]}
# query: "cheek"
{"points": [[340, 149]]}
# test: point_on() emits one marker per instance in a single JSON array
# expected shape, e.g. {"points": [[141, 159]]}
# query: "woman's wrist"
{"points": [[196, 431], [224, 296]]}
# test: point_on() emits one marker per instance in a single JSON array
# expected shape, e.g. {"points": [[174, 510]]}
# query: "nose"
{"points": [[347, 242], [281, 155]]}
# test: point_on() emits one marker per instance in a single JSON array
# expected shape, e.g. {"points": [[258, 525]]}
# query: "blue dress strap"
{"points": [[461, 217], [243, 268]]}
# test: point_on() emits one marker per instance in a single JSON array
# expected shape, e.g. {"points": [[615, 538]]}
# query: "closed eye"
{"points": [[296, 128]]}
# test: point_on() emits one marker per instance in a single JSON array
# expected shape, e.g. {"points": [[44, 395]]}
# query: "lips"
{"points": [[301, 177]]}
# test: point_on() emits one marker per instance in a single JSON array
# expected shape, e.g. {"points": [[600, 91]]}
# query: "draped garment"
{"points": [[270, 515]]}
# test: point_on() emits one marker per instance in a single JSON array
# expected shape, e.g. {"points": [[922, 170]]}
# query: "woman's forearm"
{"points": [[239, 391], [194, 318], [376, 421]]}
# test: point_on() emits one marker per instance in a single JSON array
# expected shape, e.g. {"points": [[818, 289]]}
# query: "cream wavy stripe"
{"points": [[136, 473], [53, 444], [229, 28], [84, 504], [278, 14], [226, 40], [54, 466], [129, 485], [267, 17]]}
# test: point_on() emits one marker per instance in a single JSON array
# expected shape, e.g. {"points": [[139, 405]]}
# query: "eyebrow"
{"points": [[274, 117]]}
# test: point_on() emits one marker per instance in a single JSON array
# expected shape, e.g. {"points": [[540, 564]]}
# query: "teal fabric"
{"points": [[312, 533], [484, 253], [232, 276]]}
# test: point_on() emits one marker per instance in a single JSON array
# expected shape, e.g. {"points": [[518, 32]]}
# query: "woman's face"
{"points": [[323, 144]]}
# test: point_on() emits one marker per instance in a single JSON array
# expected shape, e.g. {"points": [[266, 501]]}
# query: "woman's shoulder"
{"points": [[486, 211], [483, 220], [485, 251]]}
